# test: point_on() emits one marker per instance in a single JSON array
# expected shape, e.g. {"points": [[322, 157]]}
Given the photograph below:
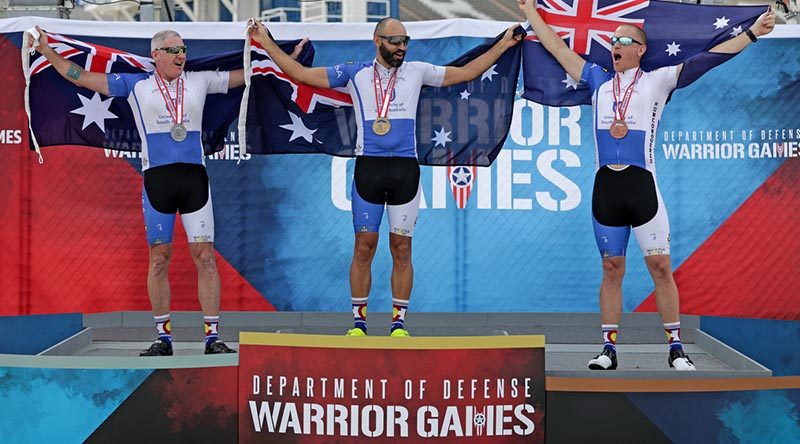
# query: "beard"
{"points": [[388, 56]]}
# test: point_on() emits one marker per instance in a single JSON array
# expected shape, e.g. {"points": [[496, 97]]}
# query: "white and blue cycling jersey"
{"points": [[643, 114], [154, 122], [358, 78]]}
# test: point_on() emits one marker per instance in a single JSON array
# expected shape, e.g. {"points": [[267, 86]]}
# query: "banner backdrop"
{"points": [[470, 389], [515, 236]]}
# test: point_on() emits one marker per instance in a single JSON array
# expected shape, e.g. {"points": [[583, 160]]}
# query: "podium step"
{"points": [[571, 338]]}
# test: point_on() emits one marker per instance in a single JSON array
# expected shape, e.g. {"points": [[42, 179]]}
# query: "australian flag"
{"points": [[675, 33], [463, 124], [63, 114]]}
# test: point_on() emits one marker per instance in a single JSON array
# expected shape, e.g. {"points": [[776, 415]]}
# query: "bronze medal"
{"points": [[618, 129], [381, 126]]}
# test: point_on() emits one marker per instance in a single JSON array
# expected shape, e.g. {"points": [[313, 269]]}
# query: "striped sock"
{"points": [[673, 330], [610, 336], [359, 313], [399, 308], [212, 325], [164, 328]]}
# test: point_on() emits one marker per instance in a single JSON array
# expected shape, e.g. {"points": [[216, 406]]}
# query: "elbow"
{"points": [[301, 77]]}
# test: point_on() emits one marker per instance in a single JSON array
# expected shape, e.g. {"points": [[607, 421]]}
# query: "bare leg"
{"points": [[208, 286], [667, 300], [402, 269], [361, 266], [158, 278], [611, 290], [610, 310]]}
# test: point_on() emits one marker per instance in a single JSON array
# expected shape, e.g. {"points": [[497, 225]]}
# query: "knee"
{"points": [[205, 261], [661, 268], [159, 263], [365, 250], [612, 271], [401, 252]]}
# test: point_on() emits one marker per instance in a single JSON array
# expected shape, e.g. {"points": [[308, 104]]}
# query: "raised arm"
{"points": [[236, 76], [90, 80], [763, 26], [454, 74], [567, 58], [310, 76]]}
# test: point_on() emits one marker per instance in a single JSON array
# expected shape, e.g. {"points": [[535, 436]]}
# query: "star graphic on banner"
{"points": [[736, 31], [442, 137], [570, 82], [298, 128], [465, 94], [721, 22], [489, 73], [673, 48], [461, 176], [95, 110]]}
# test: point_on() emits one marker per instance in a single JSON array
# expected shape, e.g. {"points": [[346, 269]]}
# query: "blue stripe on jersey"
{"points": [[162, 150], [395, 143], [625, 151]]}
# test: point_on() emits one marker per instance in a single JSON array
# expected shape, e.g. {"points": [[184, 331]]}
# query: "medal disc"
{"points": [[618, 129], [178, 132], [381, 126]]}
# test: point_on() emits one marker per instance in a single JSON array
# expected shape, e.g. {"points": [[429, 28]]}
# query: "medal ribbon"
{"points": [[382, 97], [174, 107], [622, 107]]}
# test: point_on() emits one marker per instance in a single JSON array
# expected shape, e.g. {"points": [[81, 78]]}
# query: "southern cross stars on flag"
{"points": [[61, 113], [282, 116]]}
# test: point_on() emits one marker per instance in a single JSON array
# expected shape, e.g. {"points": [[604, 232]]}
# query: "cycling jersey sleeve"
{"points": [[216, 81], [594, 75], [339, 75], [665, 79], [432, 75], [121, 85]]}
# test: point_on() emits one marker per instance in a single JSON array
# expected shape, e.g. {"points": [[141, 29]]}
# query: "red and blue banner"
{"points": [[520, 238]]}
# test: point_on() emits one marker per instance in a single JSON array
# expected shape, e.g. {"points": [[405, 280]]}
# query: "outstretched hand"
{"points": [[765, 24], [256, 30], [298, 48], [509, 39], [39, 44], [525, 5]]}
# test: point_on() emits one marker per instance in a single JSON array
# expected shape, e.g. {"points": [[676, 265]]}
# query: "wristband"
{"points": [[751, 36]]}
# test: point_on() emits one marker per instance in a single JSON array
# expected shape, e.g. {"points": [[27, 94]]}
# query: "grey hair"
{"points": [[160, 36]]}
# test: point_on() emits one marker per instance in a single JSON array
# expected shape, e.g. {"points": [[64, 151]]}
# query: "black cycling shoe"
{"points": [[218, 347], [158, 348], [607, 360]]}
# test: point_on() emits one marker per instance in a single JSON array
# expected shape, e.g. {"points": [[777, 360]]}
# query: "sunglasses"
{"points": [[396, 39], [174, 50], [624, 41]]}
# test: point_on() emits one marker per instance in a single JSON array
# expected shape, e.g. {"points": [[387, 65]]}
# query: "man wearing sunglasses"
{"points": [[385, 93], [627, 106], [168, 107]]}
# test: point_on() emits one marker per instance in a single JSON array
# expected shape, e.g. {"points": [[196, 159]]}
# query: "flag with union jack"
{"points": [[281, 116], [675, 32], [61, 113]]}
